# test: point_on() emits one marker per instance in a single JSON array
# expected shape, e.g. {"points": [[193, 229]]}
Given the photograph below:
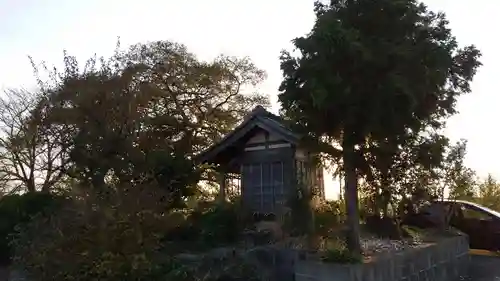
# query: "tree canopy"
{"points": [[140, 115]]}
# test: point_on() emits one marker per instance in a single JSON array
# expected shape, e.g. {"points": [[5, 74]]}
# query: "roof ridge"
{"points": [[268, 120]]}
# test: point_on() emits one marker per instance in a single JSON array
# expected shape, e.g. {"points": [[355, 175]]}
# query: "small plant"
{"points": [[337, 252], [340, 256], [413, 232]]}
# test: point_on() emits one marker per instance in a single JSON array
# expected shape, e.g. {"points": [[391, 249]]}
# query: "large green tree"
{"points": [[371, 71], [143, 114]]}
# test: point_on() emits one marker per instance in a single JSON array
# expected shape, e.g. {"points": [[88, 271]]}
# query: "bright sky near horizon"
{"points": [[258, 29]]}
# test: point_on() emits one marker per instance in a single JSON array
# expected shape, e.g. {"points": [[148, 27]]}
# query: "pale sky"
{"points": [[258, 29]]}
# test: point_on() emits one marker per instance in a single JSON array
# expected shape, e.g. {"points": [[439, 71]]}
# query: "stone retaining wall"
{"points": [[443, 261]]}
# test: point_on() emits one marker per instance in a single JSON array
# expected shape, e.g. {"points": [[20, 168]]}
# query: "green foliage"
{"points": [[327, 217], [459, 180], [415, 233], [404, 173], [489, 193], [219, 225], [107, 236], [382, 73], [16, 210], [431, 178], [126, 131], [337, 252], [210, 227], [301, 218], [120, 234], [162, 106], [344, 48], [214, 269]]}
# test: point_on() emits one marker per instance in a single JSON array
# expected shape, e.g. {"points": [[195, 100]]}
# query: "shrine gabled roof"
{"points": [[257, 118]]}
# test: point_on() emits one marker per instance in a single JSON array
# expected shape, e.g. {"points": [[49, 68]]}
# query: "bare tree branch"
{"points": [[30, 157]]}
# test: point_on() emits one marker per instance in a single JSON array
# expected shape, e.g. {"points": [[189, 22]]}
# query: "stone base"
{"points": [[442, 261]]}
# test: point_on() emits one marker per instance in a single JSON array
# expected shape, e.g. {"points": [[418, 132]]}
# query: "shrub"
{"points": [[19, 209], [206, 228], [219, 225], [337, 252], [327, 216], [97, 238]]}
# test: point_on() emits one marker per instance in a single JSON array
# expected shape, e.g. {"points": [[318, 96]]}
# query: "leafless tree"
{"points": [[30, 159]]}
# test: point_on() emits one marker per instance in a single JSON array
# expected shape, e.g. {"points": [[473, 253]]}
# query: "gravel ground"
{"points": [[371, 246], [374, 246]]}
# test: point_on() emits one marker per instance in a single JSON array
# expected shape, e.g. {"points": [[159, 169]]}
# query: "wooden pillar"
{"points": [[222, 187]]}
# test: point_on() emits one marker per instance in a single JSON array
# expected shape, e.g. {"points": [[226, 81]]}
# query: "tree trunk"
{"points": [[376, 200], [340, 188], [222, 187], [386, 199], [385, 194], [351, 196], [47, 185], [45, 188], [97, 180], [314, 240], [30, 185]]}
